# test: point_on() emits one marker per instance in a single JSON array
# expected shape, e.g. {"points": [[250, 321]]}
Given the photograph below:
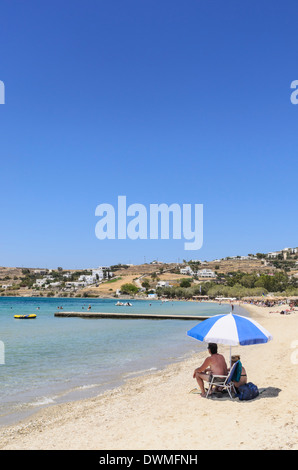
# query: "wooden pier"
{"points": [[132, 316]]}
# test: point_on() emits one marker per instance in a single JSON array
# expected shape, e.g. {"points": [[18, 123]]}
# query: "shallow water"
{"points": [[49, 360]]}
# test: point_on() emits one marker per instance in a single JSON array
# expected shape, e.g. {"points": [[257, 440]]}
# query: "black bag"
{"points": [[247, 391]]}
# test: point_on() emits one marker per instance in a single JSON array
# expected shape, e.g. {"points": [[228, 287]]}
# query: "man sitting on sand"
{"points": [[213, 365]]}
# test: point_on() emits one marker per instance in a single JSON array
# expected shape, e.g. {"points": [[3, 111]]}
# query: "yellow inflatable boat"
{"points": [[25, 316]]}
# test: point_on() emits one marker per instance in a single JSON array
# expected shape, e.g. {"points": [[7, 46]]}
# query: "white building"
{"points": [[163, 284], [74, 284], [273, 254], [98, 272], [87, 280], [152, 296], [97, 275], [67, 275], [187, 270], [40, 282], [207, 273], [53, 285], [291, 250]]}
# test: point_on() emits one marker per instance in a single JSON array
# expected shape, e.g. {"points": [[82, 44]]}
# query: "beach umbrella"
{"points": [[230, 329]]}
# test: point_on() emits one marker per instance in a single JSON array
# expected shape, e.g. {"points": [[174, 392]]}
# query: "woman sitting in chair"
{"points": [[240, 373]]}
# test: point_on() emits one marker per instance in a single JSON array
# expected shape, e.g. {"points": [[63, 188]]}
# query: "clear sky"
{"points": [[163, 101]]}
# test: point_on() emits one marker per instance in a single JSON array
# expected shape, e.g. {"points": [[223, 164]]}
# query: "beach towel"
{"points": [[237, 372]]}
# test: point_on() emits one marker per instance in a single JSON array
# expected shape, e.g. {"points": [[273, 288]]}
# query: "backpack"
{"points": [[247, 391]]}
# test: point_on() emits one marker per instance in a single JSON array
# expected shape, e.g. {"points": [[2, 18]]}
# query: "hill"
{"points": [[22, 281]]}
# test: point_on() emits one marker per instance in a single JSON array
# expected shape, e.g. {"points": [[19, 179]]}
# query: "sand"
{"points": [[157, 412]]}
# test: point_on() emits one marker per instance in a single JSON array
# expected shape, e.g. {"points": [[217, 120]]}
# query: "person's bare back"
{"points": [[215, 364], [218, 365]]}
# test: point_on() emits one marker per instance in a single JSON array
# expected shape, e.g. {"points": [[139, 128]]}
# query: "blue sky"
{"points": [[161, 101]]}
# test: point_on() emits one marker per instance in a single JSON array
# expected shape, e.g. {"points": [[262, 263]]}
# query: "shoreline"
{"points": [[84, 390], [154, 411]]}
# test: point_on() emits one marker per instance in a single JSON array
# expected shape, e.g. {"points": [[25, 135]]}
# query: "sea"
{"points": [[50, 360]]}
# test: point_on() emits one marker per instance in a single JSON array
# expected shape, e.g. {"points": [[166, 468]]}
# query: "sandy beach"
{"points": [[157, 412]]}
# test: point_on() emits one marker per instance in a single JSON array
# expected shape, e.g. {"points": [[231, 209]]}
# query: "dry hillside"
{"points": [[131, 274]]}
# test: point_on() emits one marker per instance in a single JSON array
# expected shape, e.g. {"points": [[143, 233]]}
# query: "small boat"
{"points": [[25, 316]]}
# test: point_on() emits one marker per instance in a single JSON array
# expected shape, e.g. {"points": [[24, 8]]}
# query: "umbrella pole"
{"points": [[230, 356]]}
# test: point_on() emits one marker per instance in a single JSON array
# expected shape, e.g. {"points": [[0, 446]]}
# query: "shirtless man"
{"points": [[215, 364]]}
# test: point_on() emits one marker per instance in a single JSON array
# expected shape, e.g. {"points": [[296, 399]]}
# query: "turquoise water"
{"points": [[49, 360]]}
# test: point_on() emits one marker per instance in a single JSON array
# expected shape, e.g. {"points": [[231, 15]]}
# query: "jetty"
{"points": [[133, 316]]}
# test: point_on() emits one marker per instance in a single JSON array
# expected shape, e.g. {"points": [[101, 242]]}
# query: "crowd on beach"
{"points": [[273, 303]]}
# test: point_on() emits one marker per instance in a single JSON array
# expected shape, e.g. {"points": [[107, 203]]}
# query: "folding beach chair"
{"points": [[223, 381]]}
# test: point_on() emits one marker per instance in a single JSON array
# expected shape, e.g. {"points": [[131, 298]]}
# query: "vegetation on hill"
{"points": [[129, 289], [237, 284], [235, 277]]}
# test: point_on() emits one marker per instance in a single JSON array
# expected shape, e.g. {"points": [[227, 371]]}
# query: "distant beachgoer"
{"points": [[89, 308], [213, 365]]}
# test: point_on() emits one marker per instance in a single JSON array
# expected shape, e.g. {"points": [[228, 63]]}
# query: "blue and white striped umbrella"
{"points": [[230, 329]]}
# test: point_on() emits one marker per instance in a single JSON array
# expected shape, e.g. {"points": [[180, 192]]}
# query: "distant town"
{"points": [[237, 276]]}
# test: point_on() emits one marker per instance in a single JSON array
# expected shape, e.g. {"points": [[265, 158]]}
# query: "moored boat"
{"points": [[25, 316]]}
